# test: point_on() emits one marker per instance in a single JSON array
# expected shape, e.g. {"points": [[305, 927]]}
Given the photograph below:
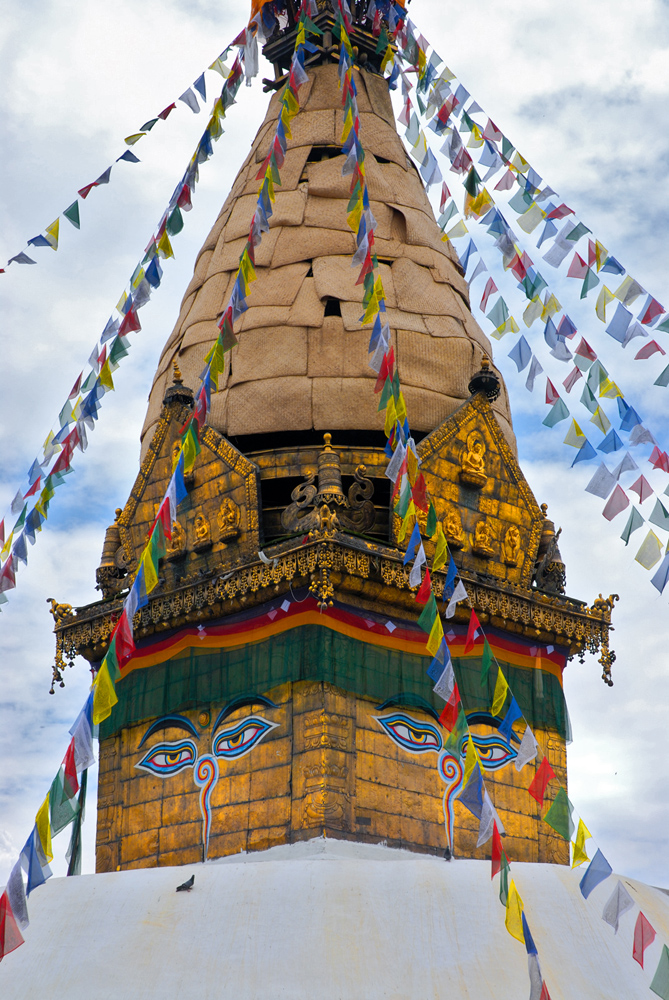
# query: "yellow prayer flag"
{"points": [[575, 436], [412, 466], [7, 546], [270, 184], [623, 288], [600, 419], [551, 307], [301, 34], [391, 417], [471, 760], [164, 246], [440, 551], [519, 162], [533, 311], [378, 289], [475, 140], [219, 66], [104, 695], [650, 551], [501, 688], [435, 637], [609, 389], [459, 229], [409, 517], [514, 913], [132, 139], [44, 828], [348, 125], [388, 59], [150, 571], [285, 117], [105, 376], [121, 302], [370, 311], [603, 299], [52, 233], [138, 276], [601, 253], [401, 409], [579, 854], [530, 219], [481, 203]]}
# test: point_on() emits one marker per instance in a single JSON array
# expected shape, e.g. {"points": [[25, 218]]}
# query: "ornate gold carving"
{"points": [[472, 467], [453, 530], [228, 518], [488, 505], [511, 552], [62, 612], [326, 797], [482, 539], [202, 532], [325, 729]]}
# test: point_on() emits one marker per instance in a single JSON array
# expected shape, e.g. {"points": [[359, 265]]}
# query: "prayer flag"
{"points": [[601, 483], [650, 551], [104, 695], [660, 983], [71, 213], [501, 689], [644, 935], [43, 827], [539, 783], [496, 852], [578, 853], [660, 517], [597, 871], [634, 521], [10, 935], [618, 903], [486, 661], [16, 894], [559, 815], [425, 589], [472, 632], [459, 594], [527, 750], [556, 414], [514, 913], [659, 580], [616, 503], [81, 731], [513, 713]]}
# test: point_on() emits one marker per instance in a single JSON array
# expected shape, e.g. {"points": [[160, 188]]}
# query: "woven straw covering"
{"points": [[301, 362]]}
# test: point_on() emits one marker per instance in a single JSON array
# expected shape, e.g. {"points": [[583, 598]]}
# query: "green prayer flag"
{"points": [[431, 520], [309, 25], [660, 983], [635, 521], [453, 744], [467, 122], [663, 378], [119, 349], [660, 517], [383, 44], [472, 182], [486, 661], [71, 213], [355, 197], [111, 660], [62, 808], [504, 880], [521, 201], [663, 326], [499, 313], [577, 232], [22, 519], [589, 400], [175, 222], [396, 386], [589, 281], [428, 614], [507, 148], [534, 287], [386, 393], [559, 815], [557, 412]]}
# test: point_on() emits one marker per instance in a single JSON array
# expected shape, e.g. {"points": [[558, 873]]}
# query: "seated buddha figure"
{"points": [[472, 467]]}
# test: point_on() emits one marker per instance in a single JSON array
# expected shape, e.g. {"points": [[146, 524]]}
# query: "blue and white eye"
{"points": [[495, 752], [167, 759], [409, 734], [236, 742]]}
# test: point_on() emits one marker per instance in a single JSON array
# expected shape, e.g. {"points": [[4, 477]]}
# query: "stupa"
{"points": [[278, 699]]}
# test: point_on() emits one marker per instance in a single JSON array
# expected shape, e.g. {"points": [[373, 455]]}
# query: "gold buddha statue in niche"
{"points": [[202, 532], [472, 466], [228, 520], [177, 544], [511, 546], [455, 535], [482, 539]]}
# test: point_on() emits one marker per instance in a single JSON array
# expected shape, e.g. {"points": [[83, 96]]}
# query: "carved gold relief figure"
{"points": [[202, 532], [228, 520], [472, 467], [455, 536], [511, 546], [178, 541], [482, 540]]}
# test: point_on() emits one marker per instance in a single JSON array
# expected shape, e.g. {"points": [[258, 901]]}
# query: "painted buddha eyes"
{"points": [[416, 737], [166, 759], [494, 752], [235, 742]]}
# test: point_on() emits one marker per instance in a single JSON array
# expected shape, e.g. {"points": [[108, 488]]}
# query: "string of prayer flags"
{"points": [[597, 871], [644, 935], [539, 783]]}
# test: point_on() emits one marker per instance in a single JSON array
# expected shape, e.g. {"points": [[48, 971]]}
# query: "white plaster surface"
{"points": [[326, 920]]}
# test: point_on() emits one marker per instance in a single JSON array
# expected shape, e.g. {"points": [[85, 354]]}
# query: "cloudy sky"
{"points": [[581, 90]]}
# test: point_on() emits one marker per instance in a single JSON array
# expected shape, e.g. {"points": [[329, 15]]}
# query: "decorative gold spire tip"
{"points": [[177, 379]]}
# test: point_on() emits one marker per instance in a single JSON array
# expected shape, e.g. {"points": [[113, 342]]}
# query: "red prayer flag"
{"points": [[474, 626], [539, 783], [578, 267], [647, 351], [545, 995], [7, 576], [10, 935], [130, 323], [451, 710], [31, 492], [419, 493], [425, 589], [643, 488], [560, 212], [572, 378], [2, 532], [585, 351], [74, 391], [489, 289], [552, 395], [165, 113], [491, 131], [85, 191], [445, 195], [496, 855], [653, 310], [183, 201], [592, 253], [644, 934], [125, 645], [72, 783], [616, 502]]}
